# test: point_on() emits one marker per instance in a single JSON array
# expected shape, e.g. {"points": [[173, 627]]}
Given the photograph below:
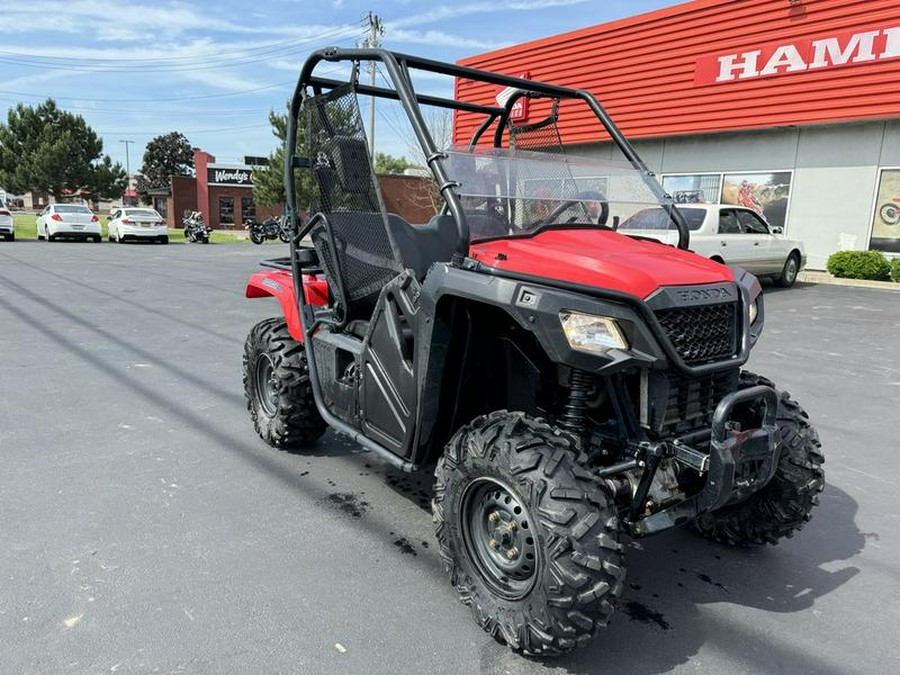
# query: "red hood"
{"points": [[602, 259]]}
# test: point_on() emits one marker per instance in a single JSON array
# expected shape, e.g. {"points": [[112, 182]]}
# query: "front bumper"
{"points": [[738, 462]]}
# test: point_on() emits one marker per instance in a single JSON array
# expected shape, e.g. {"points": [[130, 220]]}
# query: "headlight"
{"points": [[588, 333], [754, 312]]}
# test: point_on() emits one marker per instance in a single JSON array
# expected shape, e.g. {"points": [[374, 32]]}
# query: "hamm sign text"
{"points": [[799, 56]]}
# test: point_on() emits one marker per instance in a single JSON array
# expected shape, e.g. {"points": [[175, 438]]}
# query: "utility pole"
{"points": [[373, 41], [127, 166]]}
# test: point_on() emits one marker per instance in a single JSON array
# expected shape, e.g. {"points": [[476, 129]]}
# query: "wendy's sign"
{"points": [[229, 175]]}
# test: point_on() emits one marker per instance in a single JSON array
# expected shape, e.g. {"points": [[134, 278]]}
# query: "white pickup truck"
{"points": [[733, 235]]}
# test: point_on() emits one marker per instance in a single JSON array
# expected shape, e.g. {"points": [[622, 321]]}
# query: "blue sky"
{"points": [[212, 70]]}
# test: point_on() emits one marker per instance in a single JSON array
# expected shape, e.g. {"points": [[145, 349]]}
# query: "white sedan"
{"points": [[68, 220], [7, 224], [137, 224], [732, 235]]}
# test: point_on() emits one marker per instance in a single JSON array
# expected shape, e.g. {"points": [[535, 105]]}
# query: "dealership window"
{"points": [[766, 192], [248, 208], [226, 210], [886, 220], [697, 188]]}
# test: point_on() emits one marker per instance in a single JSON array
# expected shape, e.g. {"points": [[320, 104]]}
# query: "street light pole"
{"points": [[127, 166]]}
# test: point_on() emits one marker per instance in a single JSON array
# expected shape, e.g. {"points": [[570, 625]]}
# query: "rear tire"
{"points": [[256, 237], [785, 505], [789, 272], [164, 239], [528, 537], [277, 387], [10, 237]]}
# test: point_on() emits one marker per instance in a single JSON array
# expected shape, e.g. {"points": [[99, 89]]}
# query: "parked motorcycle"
{"points": [[270, 228], [194, 228], [284, 231]]}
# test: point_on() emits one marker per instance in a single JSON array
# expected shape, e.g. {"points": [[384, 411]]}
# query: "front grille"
{"points": [[692, 398], [676, 403], [703, 333]]}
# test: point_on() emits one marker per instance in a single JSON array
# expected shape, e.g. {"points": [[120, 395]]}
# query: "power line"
{"points": [[194, 131], [144, 111], [202, 97], [182, 64], [239, 92], [202, 57]]}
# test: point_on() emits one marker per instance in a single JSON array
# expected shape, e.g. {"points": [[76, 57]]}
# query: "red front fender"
{"points": [[280, 284]]}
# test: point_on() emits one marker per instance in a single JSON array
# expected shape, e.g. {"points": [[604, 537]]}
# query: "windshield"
{"points": [[658, 219], [509, 192], [70, 208], [142, 213]]}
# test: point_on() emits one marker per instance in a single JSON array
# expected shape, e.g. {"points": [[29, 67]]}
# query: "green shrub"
{"points": [[895, 270], [860, 265]]}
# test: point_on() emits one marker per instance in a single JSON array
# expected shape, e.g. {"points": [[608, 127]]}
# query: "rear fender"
{"points": [[280, 284]]}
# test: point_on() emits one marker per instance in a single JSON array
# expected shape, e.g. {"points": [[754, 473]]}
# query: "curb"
{"points": [[813, 277]]}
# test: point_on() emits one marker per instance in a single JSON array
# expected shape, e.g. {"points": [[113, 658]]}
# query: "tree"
{"points": [[167, 155], [45, 149], [385, 163], [107, 181], [268, 182]]}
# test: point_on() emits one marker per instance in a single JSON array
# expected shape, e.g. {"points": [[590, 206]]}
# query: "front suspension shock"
{"points": [[574, 416]]}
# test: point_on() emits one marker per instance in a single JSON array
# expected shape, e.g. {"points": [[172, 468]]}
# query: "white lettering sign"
{"points": [[802, 55], [729, 66], [829, 53]]}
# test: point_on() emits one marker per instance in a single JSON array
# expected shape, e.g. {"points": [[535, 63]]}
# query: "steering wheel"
{"points": [[562, 206]]}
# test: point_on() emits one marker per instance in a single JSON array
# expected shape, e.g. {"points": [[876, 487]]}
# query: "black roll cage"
{"points": [[398, 67]]}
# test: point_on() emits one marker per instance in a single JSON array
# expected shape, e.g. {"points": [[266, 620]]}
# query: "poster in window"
{"points": [[886, 225], [698, 188], [765, 193]]}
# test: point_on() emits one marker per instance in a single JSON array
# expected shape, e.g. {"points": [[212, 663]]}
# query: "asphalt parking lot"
{"points": [[146, 528]]}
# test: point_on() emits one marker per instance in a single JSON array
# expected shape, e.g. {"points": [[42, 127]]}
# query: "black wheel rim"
{"points": [[265, 389], [498, 533]]}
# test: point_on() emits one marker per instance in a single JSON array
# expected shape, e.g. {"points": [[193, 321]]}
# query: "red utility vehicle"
{"points": [[568, 385]]}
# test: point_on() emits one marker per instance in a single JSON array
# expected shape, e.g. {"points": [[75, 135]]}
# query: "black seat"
{"points": [[360, 249], [420, 246], [358, 259]]}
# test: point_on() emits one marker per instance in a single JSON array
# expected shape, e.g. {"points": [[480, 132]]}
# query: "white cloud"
{"points": [[455, 11], [439, 38], [220, 80]]}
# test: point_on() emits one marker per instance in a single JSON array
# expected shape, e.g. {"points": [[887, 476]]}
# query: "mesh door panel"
{"points": [[353, 239], [336, 142]]}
